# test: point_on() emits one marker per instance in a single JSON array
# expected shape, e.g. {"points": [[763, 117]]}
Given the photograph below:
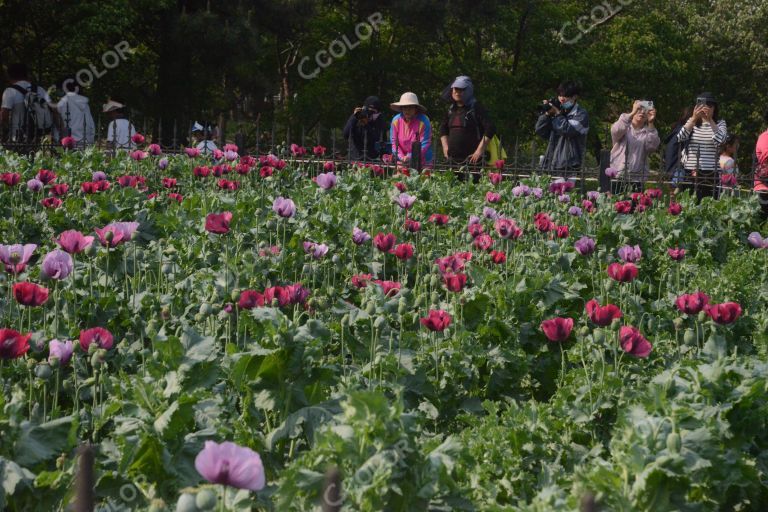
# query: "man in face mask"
{"points": [[364, 129], [565, 126]]}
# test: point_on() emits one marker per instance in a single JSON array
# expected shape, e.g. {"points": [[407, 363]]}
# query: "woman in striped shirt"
{"points": [[701, 138]]}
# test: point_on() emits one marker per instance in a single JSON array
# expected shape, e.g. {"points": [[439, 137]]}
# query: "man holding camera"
{"points": [[363, 130], [564, 123]]}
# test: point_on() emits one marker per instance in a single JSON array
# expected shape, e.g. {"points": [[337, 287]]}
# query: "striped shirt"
{"points": [[703, 149]]}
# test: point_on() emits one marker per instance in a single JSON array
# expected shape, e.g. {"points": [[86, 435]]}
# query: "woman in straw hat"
{"points": [[409, 126]]}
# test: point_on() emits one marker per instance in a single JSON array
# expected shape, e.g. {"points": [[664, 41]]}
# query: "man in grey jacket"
{"points": [[565, 127]]}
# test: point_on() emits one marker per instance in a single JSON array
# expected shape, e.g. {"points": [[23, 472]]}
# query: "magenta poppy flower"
{"points": [[623, 207], [297, 150], [30, 294], [498, 257], [630, 254], [329, 167], [499, 164], [633, 343], [74, 242], [284, 207], [68, 142], [543, 222], [585, 246], [492, 197], [62, 351], [232, 465], [495, 177], [402, 187], [562, 231], [403, 251], [676, 253], [279, 294], [691, 304], [57, 264], [389, 288], [405, 201], [455, 282], [436, 320], [51, 202], [384, 242], [557, 329], [15, 257], [316, 250], [359, 237], [250, 299], [602, 315], [507, 229], [622, 273], [96, 335], [116, 233], [561, 186], [154, 149], [675, 209], [521, 190], [138, 155], [45, 176], [361, 280], [192, 152], [483, 242], [326, 181], [588, 206], [59, 190], [137, 138], [593, 195], [13, 344], [725, 313], [218, 223], [611, 172], [439, 219]]}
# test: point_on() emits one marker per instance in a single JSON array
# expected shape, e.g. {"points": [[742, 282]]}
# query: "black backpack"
{"points": [[33, 115]]}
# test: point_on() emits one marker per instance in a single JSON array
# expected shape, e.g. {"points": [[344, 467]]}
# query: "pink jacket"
{"points": [[402, 135], [631, 148]]}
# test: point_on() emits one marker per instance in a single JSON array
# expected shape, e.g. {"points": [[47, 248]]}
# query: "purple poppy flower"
{"points": [[521, 190], [98, 176], [162, 164], [359, 237], [585, 246], [611, 172], [564, 198], [575, 211], [284, 207], [757, 241], [230, 464], [15, 257], [57, 264], [35, 185], [405, 201], [62, 351], [490, 213], [326, 180], [593, 195], [473, 219], [630, 254], [537, 192]]}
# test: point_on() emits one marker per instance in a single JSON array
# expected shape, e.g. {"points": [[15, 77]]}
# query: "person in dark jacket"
{"points": [[466, 130], [673, 149], [363, 130], [565, 127]]}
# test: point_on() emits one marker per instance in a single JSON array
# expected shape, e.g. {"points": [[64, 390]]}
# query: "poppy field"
{"points": [[225, 330]]}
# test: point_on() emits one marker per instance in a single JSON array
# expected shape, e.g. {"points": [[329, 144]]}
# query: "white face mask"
{"points": [[568, 104], [375, 116]]}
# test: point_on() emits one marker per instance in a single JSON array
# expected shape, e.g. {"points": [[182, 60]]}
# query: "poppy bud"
{"points": [[206, 309], [31, 363], [615, 324], [235, 295], [434, 281], [689, 338], [599, 336], [167, 268], [419, 301], [584, 331], [43, 372], [402, 306], [61, 460], [96, 360], [380, 322], [673, 442], [702, 317], [206, 499], [678, 323], [186, 503], [345, 319], [370, 308], [434, 298]]}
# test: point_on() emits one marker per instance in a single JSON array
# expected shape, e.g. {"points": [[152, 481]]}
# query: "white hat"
{"points": [[408, 99], [111, 105], [197, 127]]}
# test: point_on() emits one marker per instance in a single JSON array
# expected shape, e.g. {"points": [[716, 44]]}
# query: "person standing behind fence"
{"points": [[704, 132], [75, 114], [729, 170], [410, 126], [25, 114], [466, 130], [634, 138], [364, 129], [203, 138], [119, 130], [673, 166], [761, 169], [565, 124]]}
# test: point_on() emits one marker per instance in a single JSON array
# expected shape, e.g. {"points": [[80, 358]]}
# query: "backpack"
{"points": [[34, 116]]}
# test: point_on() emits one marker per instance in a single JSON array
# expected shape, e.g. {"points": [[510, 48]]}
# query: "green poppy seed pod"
{"points": [[674, 443], [312, 302], [31, 364], [43, 372], [167, 268], [615, 324], [92, 348], [109, 236], [434, 298], [584, 331], [609, 284], [67, 386], [419, 301], [434, 281], [468, 237], [206, 309], [402, 306], [91, 250], [322, 303], [199, 317], [345, 319], [54, 361], [305, 269], [152, 326], [206, 499], [271, 225], [702, 317], [380, 322], [689, 338], [599, 336], [157, 505], [186, 503], [96, 360], [370, 308], [155, 355], [678, 323]]}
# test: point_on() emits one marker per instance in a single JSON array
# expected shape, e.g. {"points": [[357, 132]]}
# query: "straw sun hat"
{"points": [[408, 99]]}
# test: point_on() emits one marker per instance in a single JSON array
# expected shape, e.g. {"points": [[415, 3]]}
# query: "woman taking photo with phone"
{"points": [[702, 136], [634, 137]]}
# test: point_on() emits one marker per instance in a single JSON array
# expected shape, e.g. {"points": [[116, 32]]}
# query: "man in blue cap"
{"points": [[466, 130]]}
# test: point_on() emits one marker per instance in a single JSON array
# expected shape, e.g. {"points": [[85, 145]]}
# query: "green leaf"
{"points": [[45, 441]]}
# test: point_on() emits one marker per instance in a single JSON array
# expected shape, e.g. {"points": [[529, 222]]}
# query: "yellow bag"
{"points": [[495, 151]]}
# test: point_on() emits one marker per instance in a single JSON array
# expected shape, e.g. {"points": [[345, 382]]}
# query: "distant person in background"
{"points": [[466, 129], [202, 135], [119, 130], [704, 132], [26, 113], [75, 114], [761, 168], [673, 164], [564, 124], [729, 170], [364, 129], [409, 126], [634, 138]]}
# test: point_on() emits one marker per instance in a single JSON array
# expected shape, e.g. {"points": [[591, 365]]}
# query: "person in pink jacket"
{"points": [[634, 137], [761, 169], [409, 126]]}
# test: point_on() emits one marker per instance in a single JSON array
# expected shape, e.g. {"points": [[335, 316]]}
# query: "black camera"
{"points": [[363, 113], [550, 103]]}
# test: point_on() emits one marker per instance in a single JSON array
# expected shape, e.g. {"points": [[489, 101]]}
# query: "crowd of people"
{"points": [[699, 152]]}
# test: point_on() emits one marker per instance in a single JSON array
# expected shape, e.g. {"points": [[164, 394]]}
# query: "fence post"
{"points": [[84, 495]]}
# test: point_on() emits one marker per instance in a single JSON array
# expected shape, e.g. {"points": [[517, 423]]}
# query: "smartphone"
{"points": [[646, 105], [701, 101]]}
